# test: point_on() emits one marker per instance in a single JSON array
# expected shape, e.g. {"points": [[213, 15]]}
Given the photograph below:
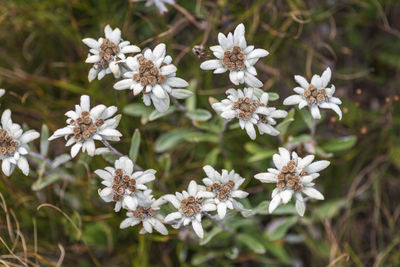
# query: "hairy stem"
{"points": [[177, 104], [218, 222], [314, 129], [39, 156], [119, 154]]}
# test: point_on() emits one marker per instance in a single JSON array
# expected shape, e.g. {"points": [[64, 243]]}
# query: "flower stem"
{"points": [[313, 129], [119, 154], [39, 156], [221, 136], [177, 104], [218, 222]]}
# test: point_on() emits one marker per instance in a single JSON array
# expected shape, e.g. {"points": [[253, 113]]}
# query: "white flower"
{"points": [[225, 187], [87, 125], [267, 116], [147, 213], [14, 145], [160, 4], [234, 55], [315, 95], [122, 184], [190, 205], [250, 110], [293, 175], [105, 53], [152, 74], [2, 92]]}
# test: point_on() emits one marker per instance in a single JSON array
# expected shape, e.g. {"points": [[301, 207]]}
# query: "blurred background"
{"points": [[43, 71]]}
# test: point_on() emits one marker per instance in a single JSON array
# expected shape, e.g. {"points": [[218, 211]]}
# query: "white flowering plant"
{"points": [[193, 172]]}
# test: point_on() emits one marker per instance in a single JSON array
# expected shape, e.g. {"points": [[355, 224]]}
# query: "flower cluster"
{"points": [[250, 110]]}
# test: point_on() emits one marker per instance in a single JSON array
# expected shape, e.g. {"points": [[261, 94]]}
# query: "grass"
{"points": [[66, 222]]}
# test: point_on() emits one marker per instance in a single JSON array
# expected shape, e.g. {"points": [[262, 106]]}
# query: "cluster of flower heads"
{"points": [[153, 74], [150, 72], [128, 190]]}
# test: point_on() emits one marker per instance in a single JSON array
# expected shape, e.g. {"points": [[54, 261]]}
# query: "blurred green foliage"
{"points": [[42, 68]]}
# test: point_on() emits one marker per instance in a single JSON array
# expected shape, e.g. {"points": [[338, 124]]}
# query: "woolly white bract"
{"points": [[87, 125], [122, 184], [315, 95], [234, 55], [147, 213], [14, 145], [160, 4], [190, 205], [293, 175], [250, 110], [152, 74], [225, 187], [105, 53]]}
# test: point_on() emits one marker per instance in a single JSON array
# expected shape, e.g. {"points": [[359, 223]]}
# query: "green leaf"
{"points": [[137, 110], [44, 140], [197, 137], [156, 114], [339, 144], [45, 181], [199, 115], [181, 93], [330, 208], [63, 158], [308, 119], [135, 144], [210, 235], [262, 208], [191, 101], [251, 243], [395, 155], [280, 231], [273, 96], [283, 126], [258, 152], [171, 139], [212, 156]]}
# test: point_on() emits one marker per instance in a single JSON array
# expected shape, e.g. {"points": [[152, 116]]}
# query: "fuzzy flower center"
{"points": [[121, 183], [84, 127], [191, 205], [289, 178], [108, 50], [246, 107], [233, 59], [143, 212], [7, 144], [222, 191], [148, 73], [314, 95]]}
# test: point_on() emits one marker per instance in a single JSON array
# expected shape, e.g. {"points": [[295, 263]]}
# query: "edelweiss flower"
{"points": [[14, 145], [315, 95], [190, 206], [122, 184], [250, 110], [234, 55], [292, 176], [225, 187], [105, 53], [146, 213], [153, 74], [160, 4], [87, 125], [2, 92]]}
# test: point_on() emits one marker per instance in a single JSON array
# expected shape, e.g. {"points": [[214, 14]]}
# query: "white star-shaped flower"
{"points": [[225, 187], [250, 110], [293, 175], [190, 205], [152, 74], [87, 125], [122, 184], [234, 55], [105, 53], [147, 213], [160, 4], [14, 145], [315, 95]]}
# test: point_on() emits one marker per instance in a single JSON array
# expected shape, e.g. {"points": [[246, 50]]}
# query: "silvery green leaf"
{"points": [[181, 93], [137, 110], [135, 144], [44, 140], [171, 139], [63, 158], [251, 242], [199, 115], [43, 182], [156, 114]]}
